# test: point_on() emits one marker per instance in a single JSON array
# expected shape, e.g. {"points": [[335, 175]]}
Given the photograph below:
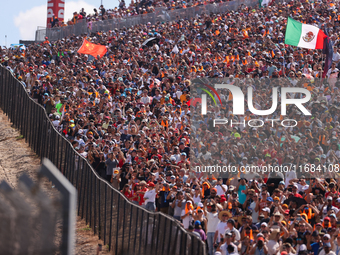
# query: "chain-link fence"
{"points": [[160, 15], [124, 226]]}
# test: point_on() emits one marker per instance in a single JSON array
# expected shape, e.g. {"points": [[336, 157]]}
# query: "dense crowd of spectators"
{"points": [[130, 114], [123, 11]]}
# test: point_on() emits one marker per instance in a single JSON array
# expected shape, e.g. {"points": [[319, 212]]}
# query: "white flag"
{"points": [[175, 50]]}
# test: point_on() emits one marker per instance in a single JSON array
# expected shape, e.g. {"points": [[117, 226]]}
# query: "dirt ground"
{"points": [[17, 158]]}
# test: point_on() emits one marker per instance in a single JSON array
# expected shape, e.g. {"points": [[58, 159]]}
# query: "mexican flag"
{"points": [[303, 35]]}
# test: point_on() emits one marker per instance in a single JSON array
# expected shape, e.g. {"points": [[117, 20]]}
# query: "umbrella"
{"points": [[151, 41], [299, 201]]}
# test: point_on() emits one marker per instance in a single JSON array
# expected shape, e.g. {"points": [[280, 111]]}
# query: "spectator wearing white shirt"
{"points": [[327, 249], [150, 197], [302, 185], [228, 247], [273, 243], [222, 226], [220, 187], [145, 99], [327, 207], [231, 228], [212, 216], [333, 69], [336, 56]]}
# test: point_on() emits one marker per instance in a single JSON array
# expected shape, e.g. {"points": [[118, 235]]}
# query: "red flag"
{"points": [[92, 49]]}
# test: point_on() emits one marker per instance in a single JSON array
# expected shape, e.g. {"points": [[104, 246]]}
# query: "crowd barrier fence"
{"points": [[161, 14], [125, 227]]}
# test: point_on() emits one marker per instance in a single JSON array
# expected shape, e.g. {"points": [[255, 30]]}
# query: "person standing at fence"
{"points": [[178, 205], [186, 215], [111, 166], [222, 226], [150, 197], [164, 198], [141, 192], [212, 216]]}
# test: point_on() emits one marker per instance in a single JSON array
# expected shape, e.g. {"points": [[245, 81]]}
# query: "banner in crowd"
{"points": [[92, 49], [304, 35]]}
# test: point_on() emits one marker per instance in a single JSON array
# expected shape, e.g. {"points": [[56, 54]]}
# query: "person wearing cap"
{"points": [[337, 203], [183, 159], [287, 247], [336, 242], [327, 249], [332, 190], [266, 215], [227, 247], [260, 247], [143, 189], [295, 193], [281, 185], [333, 220], [184, 149], [328, 206], [302, 249], [212, 216], [198, 229], [313, 242], [199, 215], [262, 203], [150, 197], [191, 229]]}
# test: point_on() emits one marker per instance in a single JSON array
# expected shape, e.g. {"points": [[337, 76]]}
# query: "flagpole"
{"points": [[322, 68]]}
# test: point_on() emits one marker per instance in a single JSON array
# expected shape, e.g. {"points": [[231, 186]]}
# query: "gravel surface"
{"points": [[17, 158]]}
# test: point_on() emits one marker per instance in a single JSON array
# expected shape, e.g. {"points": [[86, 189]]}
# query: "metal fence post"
{"points": [[69, 203]]}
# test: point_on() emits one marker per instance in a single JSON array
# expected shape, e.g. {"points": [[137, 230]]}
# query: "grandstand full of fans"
{"points": [[123, 11], [129, 114]]}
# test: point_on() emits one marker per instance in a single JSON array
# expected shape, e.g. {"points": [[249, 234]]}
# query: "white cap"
{"points": [[264, 224], [266, 209], [303, 247], [327, 236]]}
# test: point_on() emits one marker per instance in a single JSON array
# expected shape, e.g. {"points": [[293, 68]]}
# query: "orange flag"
{"points": [[92, 49]]}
